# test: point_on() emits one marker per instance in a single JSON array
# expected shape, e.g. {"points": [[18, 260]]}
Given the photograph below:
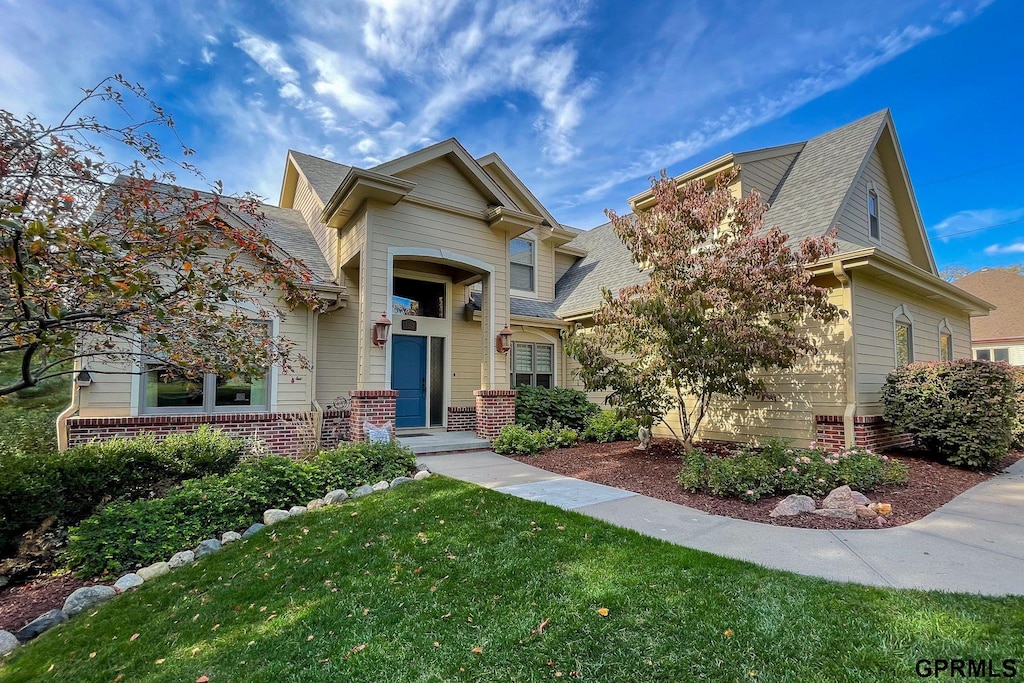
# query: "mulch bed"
{"points": [[653, 473], [21, 604]]}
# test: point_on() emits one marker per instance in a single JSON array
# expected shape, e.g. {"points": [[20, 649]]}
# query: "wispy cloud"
{"points": [[999, 249], [970, 221]]}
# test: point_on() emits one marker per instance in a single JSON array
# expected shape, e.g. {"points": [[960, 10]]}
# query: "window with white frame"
{"points": [[873, 225], [522, 264], [903, 336], [998, 355], [945, 342], [167, 391], [533, 365]]}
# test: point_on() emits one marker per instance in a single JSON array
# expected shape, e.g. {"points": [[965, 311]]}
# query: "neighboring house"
{"points": [[478, 279], [998, 336]]}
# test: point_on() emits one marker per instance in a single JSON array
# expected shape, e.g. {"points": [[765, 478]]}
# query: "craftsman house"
{"points": [[449, 283]]}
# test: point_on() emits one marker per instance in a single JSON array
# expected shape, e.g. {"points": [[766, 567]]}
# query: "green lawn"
{"points": [[407, 585]]}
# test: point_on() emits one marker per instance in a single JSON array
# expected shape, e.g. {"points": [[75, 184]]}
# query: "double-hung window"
{"points": [[873, 226], [533, 365], [522, 264]]}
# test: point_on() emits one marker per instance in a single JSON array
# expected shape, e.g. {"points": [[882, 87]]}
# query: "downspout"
{"points": [[62, 418], [849, 354]]}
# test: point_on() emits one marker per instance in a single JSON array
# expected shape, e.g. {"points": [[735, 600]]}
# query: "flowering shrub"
{"points": [[777, 469]]}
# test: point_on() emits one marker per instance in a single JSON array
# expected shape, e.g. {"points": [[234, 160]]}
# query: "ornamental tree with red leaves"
{"points": [[108, 258], [726, 301]]}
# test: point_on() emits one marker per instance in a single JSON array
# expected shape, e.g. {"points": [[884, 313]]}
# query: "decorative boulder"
{"points": [[8, 642], [422, 474], [884, 509], [253, 529], [297, 510], [315, 504], [380, 486], [154, 570], [793, 505], [40, 624], [128, 582], [840, 498], [864, 512], [859, 498], [181, 559], [210, 545], [274, 516], [837, 513], [336, 497], [230, 537], [363, 490], [86, 597], [420, 467], [398, 481]]}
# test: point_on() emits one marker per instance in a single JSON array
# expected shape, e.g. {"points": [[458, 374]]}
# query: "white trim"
{"points": [[525, 293], [554, 341], [903, 312]]}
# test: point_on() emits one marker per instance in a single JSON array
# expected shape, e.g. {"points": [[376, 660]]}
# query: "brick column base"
{"points": [[495, 408], [461, 419], [376, 406], [869, 431]]}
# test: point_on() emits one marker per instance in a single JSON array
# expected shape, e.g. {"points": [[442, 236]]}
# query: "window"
{"points": [[903, 336], [172, 392], [522, 264], [997, 355], [417, 298], [945, 345], [533, 365], [873, 215]]}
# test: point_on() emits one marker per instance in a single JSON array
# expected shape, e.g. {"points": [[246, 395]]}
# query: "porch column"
{"points": [[375, 406]]}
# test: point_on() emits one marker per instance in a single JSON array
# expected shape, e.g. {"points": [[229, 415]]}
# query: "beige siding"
{"points": [[563, 262], [873, 306], [544, 275], [853, 221], [440, 181], [764, 175], [337, 351], [109, 395], [466, 351], [307, 203]]}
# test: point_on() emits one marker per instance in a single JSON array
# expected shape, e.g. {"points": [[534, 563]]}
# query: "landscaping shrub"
{"points": [[71, 485], [752, 474], [606, 427], [962, 411], [539, 408], [517, 439], [1017, 430], [128, 534]]}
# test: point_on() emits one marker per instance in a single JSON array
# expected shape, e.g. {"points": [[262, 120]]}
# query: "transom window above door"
{"points": [[419, 298], [533, 365]]}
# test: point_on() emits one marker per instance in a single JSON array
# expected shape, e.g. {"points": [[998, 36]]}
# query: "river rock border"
{"points": [[88, 597]]}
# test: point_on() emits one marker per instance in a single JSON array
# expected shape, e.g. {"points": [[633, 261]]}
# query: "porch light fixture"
{"points": [[503, 342], [380, 330], [83, 378]]}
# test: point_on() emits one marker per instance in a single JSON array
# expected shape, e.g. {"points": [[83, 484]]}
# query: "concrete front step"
{"points": [[444, 442]]}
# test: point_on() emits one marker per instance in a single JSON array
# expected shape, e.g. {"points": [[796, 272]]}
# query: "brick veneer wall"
{"points": [[870, 431], [461, 419], [375, 406], [335, 428], [284, 433], [495, 408]]}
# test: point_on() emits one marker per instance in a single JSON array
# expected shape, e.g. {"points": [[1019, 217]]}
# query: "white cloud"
{"points": [[998, 249], [207, 55], [347, 82], [975, 220], [268, 55]]}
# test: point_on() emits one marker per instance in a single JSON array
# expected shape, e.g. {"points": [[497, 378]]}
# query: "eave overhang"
{"points": [[514, 223], [358, 186]]}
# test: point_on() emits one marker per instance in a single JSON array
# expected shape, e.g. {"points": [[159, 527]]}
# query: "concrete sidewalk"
{"points": [[973, 544]]}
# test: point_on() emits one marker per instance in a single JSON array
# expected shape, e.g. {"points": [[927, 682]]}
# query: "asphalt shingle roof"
{"points": [[805, 205], [288, 230], [323, 175], [1004, 288], [526, 307]]}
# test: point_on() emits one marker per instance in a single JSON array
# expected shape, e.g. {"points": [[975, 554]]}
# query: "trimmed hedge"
{"points": [[606, 427], [1017, 431], [963, 411], [130, 534], [540, 408], [516, 439], [71, 485], [777, 469]]}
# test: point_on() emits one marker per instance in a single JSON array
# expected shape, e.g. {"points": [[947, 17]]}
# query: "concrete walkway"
{"points": [[973, 544]]}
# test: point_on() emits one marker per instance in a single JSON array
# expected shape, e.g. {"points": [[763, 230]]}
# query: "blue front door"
{"points": [[409, 378]]}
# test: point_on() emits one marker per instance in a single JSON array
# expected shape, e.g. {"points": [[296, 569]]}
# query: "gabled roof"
{"points": [[323, 175], [494, 164], [1003, 287]]}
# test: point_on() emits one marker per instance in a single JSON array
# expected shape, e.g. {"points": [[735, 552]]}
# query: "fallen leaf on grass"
{"points": [[437, 644], [92, 655], [161, 661], [203, 679], [478, 650], [134, 636], [727, 633], [603, 611], [543, 625]]}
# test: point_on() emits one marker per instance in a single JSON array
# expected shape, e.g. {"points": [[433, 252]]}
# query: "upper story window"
{"points": [[522, 264], [903, 336], [533, 365], [873, 225], [418, 298], [998, 355]]}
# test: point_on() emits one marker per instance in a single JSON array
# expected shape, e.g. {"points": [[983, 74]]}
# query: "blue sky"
{"points": [[585, 100]]}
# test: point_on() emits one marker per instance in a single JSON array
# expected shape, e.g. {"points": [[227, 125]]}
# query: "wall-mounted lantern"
{"points": [[83, 378], [380, 330], [503, 342]]}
